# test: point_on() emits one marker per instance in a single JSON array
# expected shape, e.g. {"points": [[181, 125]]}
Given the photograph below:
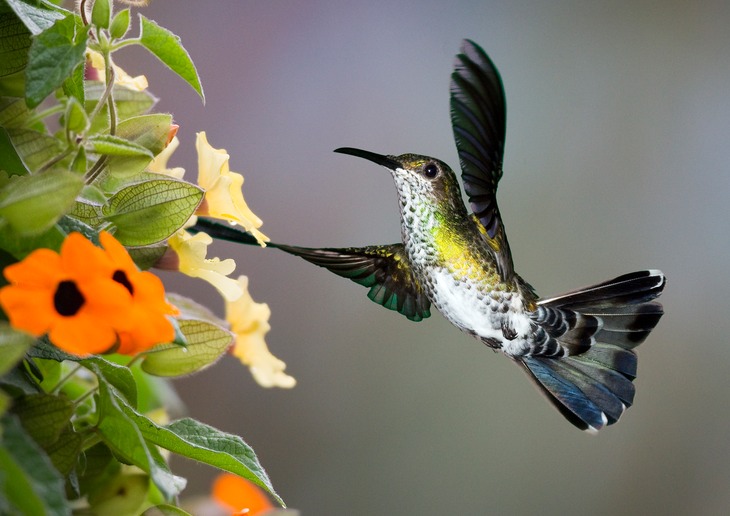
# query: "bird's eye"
{"points": [[431, 170]]}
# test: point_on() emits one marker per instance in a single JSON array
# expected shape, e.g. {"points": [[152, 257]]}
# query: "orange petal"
{"points": [[82, 334], [107, 300], [41, 268], [117, 252], [82, 259], [152, 329], [29, 309], [237, 494]]}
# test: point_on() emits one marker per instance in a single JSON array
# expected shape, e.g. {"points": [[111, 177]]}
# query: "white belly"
{"points": [[483, 315]]}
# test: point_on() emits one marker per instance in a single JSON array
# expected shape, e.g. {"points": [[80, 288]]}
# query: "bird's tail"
{"points": [[592, 388]]}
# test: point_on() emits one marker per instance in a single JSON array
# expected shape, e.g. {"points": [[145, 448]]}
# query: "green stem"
{"points": [[110, 98], [106, 95], [53, 161], [135, 358], [95, 170], [78, 401], [58, 108], [82, 12], [126, 42], [63, 380]]}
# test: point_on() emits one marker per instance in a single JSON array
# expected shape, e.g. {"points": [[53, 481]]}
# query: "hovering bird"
{"points": [[577, 347]]}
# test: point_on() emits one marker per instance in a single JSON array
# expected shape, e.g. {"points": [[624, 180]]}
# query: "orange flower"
{"points": [[146, 322], [71, 296], [88, 300], [240, 496]]}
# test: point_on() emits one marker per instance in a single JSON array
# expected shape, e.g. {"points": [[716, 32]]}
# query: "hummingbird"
{"points": [[577, 347]]}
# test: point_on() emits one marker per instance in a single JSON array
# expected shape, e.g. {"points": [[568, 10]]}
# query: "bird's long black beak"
{"points": [[380, 159]]}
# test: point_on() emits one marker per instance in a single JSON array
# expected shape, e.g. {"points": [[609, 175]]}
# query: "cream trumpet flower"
{"points": [[190, 253], [250, 322], [223, 195], [158, 165]]}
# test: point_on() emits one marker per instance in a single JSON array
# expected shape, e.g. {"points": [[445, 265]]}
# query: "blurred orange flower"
{"points": [[71, 296], [87, 299], [240, 496], [146, 322]]}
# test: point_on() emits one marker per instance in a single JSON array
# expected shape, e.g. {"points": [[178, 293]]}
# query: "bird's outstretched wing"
{"points": [[382, 268], [478, 117]]}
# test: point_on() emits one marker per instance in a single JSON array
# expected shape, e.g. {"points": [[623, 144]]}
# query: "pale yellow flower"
{"points": [[223, 195], [121, 78], [191, 253], [250, 322], [158, 165]]}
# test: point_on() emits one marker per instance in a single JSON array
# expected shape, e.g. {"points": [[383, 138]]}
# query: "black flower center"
{"points": [[68, 300], [121, 277]]}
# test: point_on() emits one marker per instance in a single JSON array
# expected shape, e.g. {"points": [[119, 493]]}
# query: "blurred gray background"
{"points": [[616, 159]]}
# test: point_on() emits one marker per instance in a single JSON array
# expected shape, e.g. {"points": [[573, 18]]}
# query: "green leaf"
{"points": [[14, 44], [116, 146], [75, 117], [165, 510], [205, 345], [149, 131], [33, 204], [147, 256], [166, 46], [13, 345], [13, 85], [44, 416], [33, 147], [190, 309], [117, 375], [13, 113], [53, 56], [100, 467], [36, 18], [120, 24], [64, 453], [20, 245], [87, 212], [10, 161], [5, 401], [29, 140], [123, 436], [101, 13], [69, 224], [50, 371], [129, 103], [198, 441], [124, 494], [148, 212], [29, 483], [73, 86], [18, 382], [47, 351], [79, 163]]}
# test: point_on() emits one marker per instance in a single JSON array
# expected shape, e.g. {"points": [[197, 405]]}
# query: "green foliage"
{"points": [[166, 47], [32, 204], [205, 344], [74, 150], [53, 55]]}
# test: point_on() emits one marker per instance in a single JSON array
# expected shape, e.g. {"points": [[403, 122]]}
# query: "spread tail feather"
{"points": [[592, 385]]}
